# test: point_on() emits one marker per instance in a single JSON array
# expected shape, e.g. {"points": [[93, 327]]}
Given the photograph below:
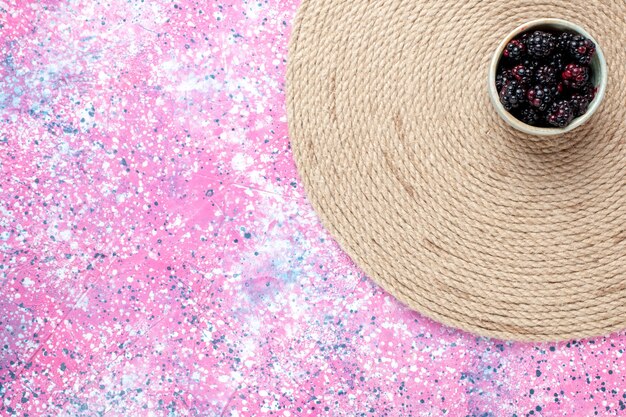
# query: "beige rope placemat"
{"points": [[450, 210]]}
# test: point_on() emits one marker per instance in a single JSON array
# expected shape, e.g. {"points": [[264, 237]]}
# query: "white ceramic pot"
{"points": [[598, 68]]}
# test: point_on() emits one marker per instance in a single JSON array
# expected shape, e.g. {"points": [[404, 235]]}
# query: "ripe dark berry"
{"points": [[512, 95], [530, 63], [503, 77], [541, 96], [556, 61], [529, 115], [555, 89], [559, 88], [579, 104], [540, 44], [588, 90], [560, 114], [514, 50], [522, 74], [563, 40], [546, 74], [543, 77], [524, 37], [581, 49], [575, 76]]}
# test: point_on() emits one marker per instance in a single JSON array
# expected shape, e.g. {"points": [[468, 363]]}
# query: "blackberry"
{"points": [[560, 114], [588, 90], [559, 88], [575, 76], [579, 104], [503, 77], [512, 95], [529, 115], [524, 37], [556, 61], [581, 49], [541, 96], [540, 44], [581, 99], [545, 75], [530, 63], [514, 50], [522, 74], [563, 40]]}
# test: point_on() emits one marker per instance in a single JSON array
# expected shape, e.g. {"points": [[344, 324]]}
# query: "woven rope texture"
{"points": [[456, 214]]}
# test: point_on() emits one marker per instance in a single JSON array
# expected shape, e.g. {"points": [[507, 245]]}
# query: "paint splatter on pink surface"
{"points": [[158, 255]]}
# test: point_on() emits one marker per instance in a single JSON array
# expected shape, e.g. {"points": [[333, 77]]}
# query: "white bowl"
{"points": [[598, 67]]}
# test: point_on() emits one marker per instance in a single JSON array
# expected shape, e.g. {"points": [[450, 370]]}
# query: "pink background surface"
{"points": [[158, 255]]}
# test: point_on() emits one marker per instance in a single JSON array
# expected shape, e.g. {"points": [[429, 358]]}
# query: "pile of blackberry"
{"points": [[544, 78]]}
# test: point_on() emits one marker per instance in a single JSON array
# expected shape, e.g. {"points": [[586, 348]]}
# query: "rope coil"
{"points": [[455, 213]]}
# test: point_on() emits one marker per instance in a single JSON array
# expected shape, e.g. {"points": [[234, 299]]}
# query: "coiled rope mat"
{"points": [[457, 215]]}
